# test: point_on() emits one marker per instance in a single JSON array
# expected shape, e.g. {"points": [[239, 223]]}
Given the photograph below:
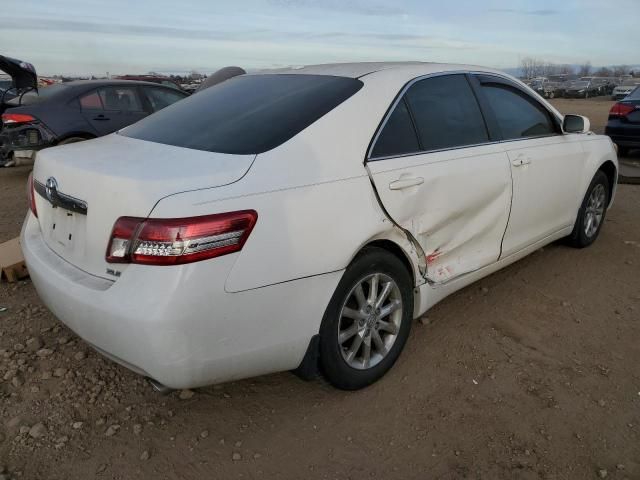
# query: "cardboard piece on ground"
{"points": [[12, 266]]}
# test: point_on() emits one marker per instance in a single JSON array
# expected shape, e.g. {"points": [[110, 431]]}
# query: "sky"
{"points": [[128, 36]]}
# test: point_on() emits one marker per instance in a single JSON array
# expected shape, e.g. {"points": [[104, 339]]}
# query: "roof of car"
{"points": [[360, 69]]}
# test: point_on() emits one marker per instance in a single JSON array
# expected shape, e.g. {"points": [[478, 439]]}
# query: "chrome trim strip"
{"points": [[59, 199]]}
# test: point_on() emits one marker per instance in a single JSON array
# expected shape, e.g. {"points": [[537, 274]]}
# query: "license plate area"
{"points": [[63, 226]]}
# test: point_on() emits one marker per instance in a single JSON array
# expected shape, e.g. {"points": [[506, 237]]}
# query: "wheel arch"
{"points": [[85, 135], [610, 170]]}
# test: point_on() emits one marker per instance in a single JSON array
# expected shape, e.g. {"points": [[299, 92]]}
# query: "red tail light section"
{"points": [[176, 241], [31, 197], [15, 118], [621, 110]]}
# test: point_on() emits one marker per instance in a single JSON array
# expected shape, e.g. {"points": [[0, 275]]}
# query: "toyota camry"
{"points": [[301, 219]]}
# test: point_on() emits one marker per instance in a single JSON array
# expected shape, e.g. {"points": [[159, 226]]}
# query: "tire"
{"points": [[586, 94], [594, 207], [69, 140], [551, 95], [344, 364]]}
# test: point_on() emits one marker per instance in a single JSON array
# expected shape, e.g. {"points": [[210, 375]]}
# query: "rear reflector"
{"points": [[13, 118], [31, 195], [621, 110], [176, 241]]}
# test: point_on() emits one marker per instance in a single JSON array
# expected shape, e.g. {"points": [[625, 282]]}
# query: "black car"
{"points": [[581, 89], [623, 125], [75, 111]]}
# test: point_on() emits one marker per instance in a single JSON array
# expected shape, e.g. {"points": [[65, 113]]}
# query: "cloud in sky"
{"points": [[120, 36]]}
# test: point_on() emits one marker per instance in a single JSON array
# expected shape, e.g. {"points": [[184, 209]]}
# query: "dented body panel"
{"points": [[459, 213]]}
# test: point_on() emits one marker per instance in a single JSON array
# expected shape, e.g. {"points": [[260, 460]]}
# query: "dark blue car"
{"points": [[76, 111], [623, 125]]}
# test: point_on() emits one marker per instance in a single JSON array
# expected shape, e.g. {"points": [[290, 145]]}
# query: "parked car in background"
{"points": [[623, 125], [545, 87], [166, 81], [74, 111], [624, 89], [581, 89], [238, 232]]}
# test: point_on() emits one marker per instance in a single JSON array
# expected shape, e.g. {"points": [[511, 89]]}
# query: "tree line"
{"points": [[531, 67]]}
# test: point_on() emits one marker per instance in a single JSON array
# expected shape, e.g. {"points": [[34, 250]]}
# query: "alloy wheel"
{"points": [[370, 321], [594, 211]]}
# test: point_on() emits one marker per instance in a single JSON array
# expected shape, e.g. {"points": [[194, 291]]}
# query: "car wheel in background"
{"points": [[367, 321], [623, 151], [71, 140], [592, 212], [551, 95]]}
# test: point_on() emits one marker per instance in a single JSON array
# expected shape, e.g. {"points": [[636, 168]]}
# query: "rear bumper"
{"points": [[24, 140], [177, 324], [624, 135]]}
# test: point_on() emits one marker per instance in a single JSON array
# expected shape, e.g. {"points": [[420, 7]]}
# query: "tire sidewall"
{"points": [[579, 237], [334, 367]]}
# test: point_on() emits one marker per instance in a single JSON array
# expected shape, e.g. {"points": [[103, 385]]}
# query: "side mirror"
{"points": [[575, 124]]}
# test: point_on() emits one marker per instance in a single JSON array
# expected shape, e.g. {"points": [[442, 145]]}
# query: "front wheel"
{"points": [[367, 321], [592, 212]]}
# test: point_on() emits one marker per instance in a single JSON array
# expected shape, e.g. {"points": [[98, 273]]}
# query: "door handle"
{"points": [[521, 160], [406, 183], [101, 117]]}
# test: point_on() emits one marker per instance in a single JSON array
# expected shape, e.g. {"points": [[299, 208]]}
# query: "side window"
{"points": [[161, 97], [517, 115], [446, 113], [398, 135], [90, 101], [120, 98]]}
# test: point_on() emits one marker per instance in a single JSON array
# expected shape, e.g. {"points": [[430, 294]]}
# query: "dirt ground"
{"points": [[530, 373]]}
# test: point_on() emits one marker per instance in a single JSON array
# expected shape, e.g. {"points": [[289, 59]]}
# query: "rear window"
{"points": [[43, 93], [247, 114]]}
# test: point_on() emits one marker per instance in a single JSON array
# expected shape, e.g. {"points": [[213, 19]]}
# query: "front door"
{"points": [[441, 178], [544, 164]]}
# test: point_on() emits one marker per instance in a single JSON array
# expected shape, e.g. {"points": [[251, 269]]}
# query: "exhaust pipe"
{"points": [[158, 387]]}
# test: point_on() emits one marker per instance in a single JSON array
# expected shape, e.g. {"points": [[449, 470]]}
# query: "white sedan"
{"points": [[300, 220]]}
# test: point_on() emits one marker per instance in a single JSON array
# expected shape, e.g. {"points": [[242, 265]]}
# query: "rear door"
{"points": [[441, 177], [109, 109], [545, 164]]}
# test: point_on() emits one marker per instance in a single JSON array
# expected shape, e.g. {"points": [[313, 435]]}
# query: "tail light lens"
{"points": [[15, 118], [621, 110], [155, 241], [31, 197]]}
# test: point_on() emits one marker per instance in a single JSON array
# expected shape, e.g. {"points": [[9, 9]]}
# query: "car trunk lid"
{"points": [[111, 177]]}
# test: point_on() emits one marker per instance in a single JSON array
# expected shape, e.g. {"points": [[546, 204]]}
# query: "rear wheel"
{"points": [[71, 140], [367, 321], [592, 212]]}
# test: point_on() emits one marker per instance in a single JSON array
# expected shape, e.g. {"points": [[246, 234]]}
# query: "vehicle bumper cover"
{"points": [[25, 138], [177, 324]]}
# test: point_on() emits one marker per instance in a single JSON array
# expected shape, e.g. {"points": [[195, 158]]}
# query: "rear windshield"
{"points": [[248, 114], [634, 95]]}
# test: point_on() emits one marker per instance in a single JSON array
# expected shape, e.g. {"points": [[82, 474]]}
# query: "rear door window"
{"points": [[446, 113], [517, 114], [121, 99], [248, 114], [91, 101], [160, 98], [398, 136]]}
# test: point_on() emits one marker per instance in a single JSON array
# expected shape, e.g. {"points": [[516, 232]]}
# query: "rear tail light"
{"points": [[31, 197], [15, 118], [621, 110], [155, 241]]}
